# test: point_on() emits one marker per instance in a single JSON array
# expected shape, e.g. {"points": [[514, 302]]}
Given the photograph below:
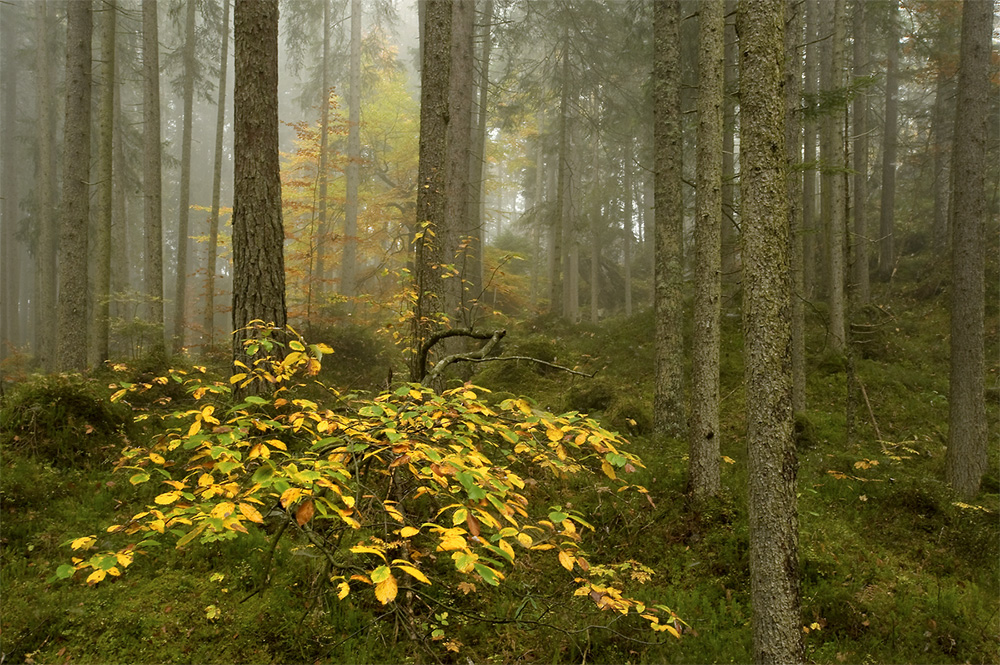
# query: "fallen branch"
{"points": [[429, 343], [471, 356], [536, 360]]}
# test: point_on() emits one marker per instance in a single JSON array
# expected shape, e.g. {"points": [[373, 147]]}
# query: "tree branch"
{"points": [[471, 356]]}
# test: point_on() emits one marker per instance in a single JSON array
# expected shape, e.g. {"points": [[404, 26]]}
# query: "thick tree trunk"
{"points": [[860, 287], [348, 274], [258, 236], [213, 219], [703, 432], [184, 199], [774, 582], [794, 14], [887, 214], [105, 187], [966, 457], [76, 191], [9, 185], [668, 400], [48, 234], [151, 181]]}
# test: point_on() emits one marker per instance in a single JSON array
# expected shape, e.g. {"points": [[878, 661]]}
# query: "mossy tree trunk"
{"points": [[774, 582], [152, 185], [890, 140], [794, 14], [213, 219], [180, 291]]}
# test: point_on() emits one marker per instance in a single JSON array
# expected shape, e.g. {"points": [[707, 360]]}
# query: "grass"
{"points": [[894, 570]]}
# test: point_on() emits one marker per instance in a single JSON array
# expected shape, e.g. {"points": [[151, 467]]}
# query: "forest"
{"points": [[499, 331]]}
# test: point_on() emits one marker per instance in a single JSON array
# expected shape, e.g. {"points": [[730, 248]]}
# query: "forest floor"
{"points": [[893, 568]]}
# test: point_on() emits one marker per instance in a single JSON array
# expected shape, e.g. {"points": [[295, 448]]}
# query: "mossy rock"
{"points": [[630, 414], [590, 396]]}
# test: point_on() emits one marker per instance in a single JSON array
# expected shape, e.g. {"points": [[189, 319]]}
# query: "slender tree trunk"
{"points": [[861, 289], [730, 214], [105, 187], [966, 458], [668, 399], [48, 235], [258, 235], [76, 190], [213, 219], [348, 275], [318, 279], [774, 568], [703, 433], [556, 288], [152, 184], [627, 227], [184, 199], [794, 14], [810, 225], [941, 130], [477, 174], [833, 179], [887, 214], [595, 240], [9, 185]]}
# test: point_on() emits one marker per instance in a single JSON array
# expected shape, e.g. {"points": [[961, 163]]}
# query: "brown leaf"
{"points": [[304, 512], [473, 524]]}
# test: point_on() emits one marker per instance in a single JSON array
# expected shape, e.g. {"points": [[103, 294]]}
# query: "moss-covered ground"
{"points": [[894, 569]]}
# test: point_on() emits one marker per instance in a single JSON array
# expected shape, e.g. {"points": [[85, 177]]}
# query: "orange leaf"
{"points": [[305, 512]]}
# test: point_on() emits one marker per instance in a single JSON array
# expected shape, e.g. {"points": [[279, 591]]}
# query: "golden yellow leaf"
{"points": [[566, 559], [124, 560], [250, 513], [96, 576], [364, 549], [524, 539], [83, 543], [195, 428], [386, 590], [451, 542], [167, 497], [156, 459], [113, 570], [554, 434], [672, 631], [342, 590], [290, 496], [408, 531], [157, 526], [413, 572], [608, 470]]}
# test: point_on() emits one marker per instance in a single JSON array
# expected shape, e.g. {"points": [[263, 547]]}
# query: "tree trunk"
{"points": [[258, 236], [668, 399], [627, 225], [942, 132], [771, 460], [730, 214], [704, 433], [151, 181], [477, 173], [9, 184], [317, 279], [184, 199], [887, 214], [348, 275], [861, 288], [76, 190], [966, 457], [48, 235], [105, 188], [832, 150], [556, 301], [213, 220], [810, 225], [794, 14]]}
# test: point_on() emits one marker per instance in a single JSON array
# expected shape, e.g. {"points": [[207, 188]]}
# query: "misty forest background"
{"points": [[561, 183]]}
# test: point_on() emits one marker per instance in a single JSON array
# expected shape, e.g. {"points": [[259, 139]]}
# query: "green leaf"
{"points": [[263, 474], [380, 574], [254, 399], [139, 478], [65, 571], [489, 575], [557, 516]]}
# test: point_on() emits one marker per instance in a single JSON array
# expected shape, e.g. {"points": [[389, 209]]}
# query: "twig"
{"points": [[871, 413], [535, 360]]}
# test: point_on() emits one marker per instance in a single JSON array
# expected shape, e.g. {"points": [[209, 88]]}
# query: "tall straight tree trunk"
{"points": [[184, 199], [810, 223], [317, 281], [122, 265], [861, 288], [703, 432], [595, 240], [258, 235], [477, 173], [730, 215], [562, 171], [48, 235], [151, 182], [76, 190], [668, 398], [966, 458], [627, 226], [827, 154], [348, 275], [794, 14], [105, 187], [941, 130], [9, 185], [430, 223], [890, 138], [833, 180], [771, 459], [213, 219]]}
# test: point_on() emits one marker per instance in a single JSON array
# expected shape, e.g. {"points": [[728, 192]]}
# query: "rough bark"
{"points": [[477, 172], [317, 280], [9, 185], [832, 150], [794, 14], [627, 227], [668, 399], [348, 274], [184, 198], [151, 181], [213, 219], [860, 283], [774, 582], [48, 235], [73, 234], [810, 226], [890, 138], [966, 457], [941, 130], [556, 260], [730, 213], [258, 236], [703, 431], [105, 187]]}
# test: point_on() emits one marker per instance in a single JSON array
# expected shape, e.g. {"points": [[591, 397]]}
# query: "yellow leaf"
{"points": [[157, 526], [290, 496], [524, 539], [413, 572], [566, 559], [205, 479], [195, 428], [386, 590], [342, 590], [451, 542], [364, 549], [672, 631], [554, 434], [408, 531], [251, 513], [608, 470], [236, 378], [167, 497], [505, 546], [156, 459], [83, 543], [728, 460], [96, 577], [113, 570], [280, 445], [459, 516], [124, 560]]}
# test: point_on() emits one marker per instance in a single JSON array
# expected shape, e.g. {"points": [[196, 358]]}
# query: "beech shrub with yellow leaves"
{"points": [[386, 489]]}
